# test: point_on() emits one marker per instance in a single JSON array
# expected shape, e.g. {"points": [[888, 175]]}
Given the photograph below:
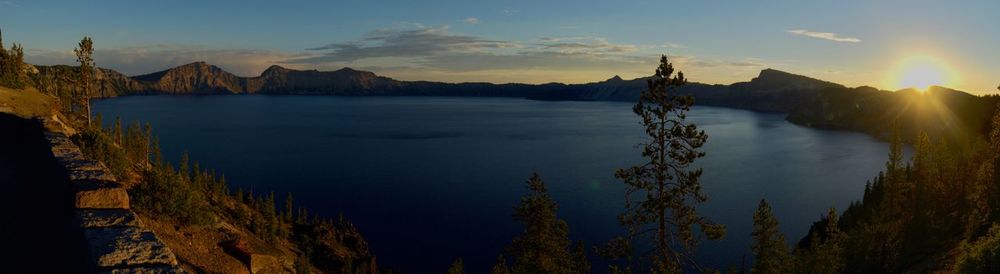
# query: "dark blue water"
{"points": [[431, 179]]}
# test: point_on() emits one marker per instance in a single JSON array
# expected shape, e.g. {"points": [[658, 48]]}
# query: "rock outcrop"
{"points": [[116, 239]]}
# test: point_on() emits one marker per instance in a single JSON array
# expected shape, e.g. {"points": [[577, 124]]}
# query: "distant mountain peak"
{"points": [[770, 72], [197, 64], [772, 79], [274, 69], [616, 79]]}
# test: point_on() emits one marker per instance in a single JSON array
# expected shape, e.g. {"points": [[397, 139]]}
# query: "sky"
{"points": [[850, 42]]}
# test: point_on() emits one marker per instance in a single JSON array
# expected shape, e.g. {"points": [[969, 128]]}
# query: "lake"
{"points": [[430, 179]]}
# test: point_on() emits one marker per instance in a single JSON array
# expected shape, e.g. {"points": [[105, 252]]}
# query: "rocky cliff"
{"points": [[809, 101], [204, 78]]}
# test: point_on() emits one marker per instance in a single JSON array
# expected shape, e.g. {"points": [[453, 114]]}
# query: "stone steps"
{"points": [[116, 239]]}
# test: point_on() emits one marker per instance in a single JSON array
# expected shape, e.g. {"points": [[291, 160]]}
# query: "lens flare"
{"points": [[921, 72]]}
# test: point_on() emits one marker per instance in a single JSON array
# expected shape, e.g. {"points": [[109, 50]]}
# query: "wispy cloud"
{"points": [[716, 63], [441, 54], [9, 4], [824, 35], [438, 48], [589, 45], [412, 42], [471, 20]]}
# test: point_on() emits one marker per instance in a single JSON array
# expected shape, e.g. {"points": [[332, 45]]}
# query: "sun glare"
{"points": [[921, 72]]}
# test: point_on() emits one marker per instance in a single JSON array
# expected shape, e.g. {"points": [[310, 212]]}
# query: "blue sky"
{"points": [[851, 42]]}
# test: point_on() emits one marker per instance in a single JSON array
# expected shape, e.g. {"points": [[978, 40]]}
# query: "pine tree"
{"points": [[12, 67], [3, 51], [825, 253], [4, 63], [84, 55], [239, 195], [288, 208], [17, 64], [769, 248], [117, 132], [501, 266], [458, 267], [921, 197], [662, 194], [543, 247]]}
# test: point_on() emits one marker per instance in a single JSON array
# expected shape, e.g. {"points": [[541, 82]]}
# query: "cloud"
{"points": [[440, 49], [471, 20], [720, 63], [9, 4], [591, 45], [510, 12], [674, 46], [414, 42], [146, 59], [417, 52], [824, 35]]}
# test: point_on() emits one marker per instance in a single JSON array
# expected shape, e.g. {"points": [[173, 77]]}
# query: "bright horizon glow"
{"points": [[920, 72]]}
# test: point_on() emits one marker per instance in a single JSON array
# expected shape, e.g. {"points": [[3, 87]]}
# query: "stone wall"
{"points": [[116, 240]]}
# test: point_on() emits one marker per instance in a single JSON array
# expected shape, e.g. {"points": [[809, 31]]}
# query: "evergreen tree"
{"points": [[769, 248], [288, 208], [661, 194], [458, 267], [17, 64], [12, 67], [825, 253], [544, 245], [84, 55], [501, 266]]}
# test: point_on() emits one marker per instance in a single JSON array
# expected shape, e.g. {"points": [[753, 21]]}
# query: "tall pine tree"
{"points": [[662, 194], [769, 248], [85, 56], [544, 246]]}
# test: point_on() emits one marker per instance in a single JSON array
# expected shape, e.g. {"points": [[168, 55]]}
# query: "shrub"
{"points": [[982, 256]]}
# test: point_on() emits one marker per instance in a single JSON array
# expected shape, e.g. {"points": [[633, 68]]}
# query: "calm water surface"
{"points": [[431, 179]]}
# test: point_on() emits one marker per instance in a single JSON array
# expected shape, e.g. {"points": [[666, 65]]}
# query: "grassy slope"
{"points": [[26, 103]]}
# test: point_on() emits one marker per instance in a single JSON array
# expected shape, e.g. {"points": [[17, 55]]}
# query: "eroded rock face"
{"points": [[113, 247], [83, 174], [98, 195], [260, 263], [114, 235], [146, 270], [96, 218]]}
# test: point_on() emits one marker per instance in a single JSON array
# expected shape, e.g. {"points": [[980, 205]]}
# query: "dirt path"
{"points": [[36, 206]]}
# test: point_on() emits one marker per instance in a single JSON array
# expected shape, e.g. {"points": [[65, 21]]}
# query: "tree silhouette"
{"points": [[825, 253], [84, 55], [12, 68], [501, 266], [661, 194], [544, 246], [769, 248], [457, 267]]}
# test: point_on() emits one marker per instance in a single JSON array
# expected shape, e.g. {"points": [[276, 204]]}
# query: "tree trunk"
{"points": [[87, 105]]}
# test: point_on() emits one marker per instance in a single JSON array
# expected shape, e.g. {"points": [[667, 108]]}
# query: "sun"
{"points": [[921, 72]]}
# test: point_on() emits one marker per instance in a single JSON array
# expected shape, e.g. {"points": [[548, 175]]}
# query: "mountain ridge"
{"points": [[806, 101]]}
